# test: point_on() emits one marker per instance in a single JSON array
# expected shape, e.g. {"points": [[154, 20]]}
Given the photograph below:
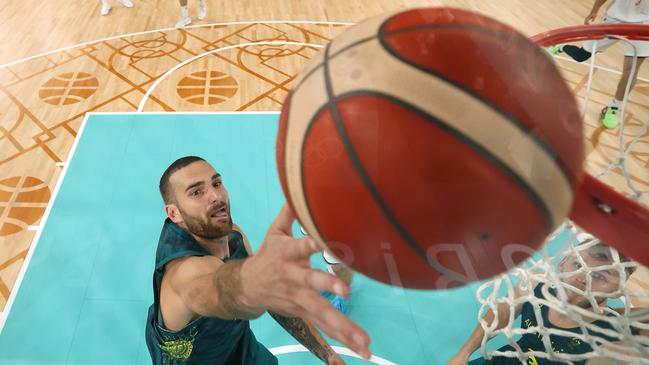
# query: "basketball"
{"points": [[431, 147]]}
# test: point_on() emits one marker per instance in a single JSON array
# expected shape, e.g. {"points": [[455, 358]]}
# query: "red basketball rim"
{"points": [[600, 210]]}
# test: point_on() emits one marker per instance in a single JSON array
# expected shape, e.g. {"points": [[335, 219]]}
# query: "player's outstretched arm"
{"points": [[279, 278], [305, 333]]}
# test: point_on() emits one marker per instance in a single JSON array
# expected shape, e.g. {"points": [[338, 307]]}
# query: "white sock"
{"points": [[185, 11], [616, 103], [105, 3], [202, 10]]}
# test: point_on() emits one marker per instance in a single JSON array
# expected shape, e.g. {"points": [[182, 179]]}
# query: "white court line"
{"points": [[33, 228], [185, 62], [39, 232], [169, 29], [339, 350], [233, 23]]}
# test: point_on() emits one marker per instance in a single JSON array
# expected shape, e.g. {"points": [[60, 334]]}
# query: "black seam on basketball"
{"points": [[527, 189], [524, 41], [403, 233], [316, 115], [382, 32], [285, 162]]}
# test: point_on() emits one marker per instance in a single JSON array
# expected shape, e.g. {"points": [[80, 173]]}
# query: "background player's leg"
{"points": [[583, 53], [578, 54], [202, 10], [610, 113], [126, 3], [184, 15], [626, 73], [105, 7], [342, 271], [338, 268]]}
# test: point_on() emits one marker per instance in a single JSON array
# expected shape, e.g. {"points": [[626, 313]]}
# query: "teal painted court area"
{"points": [[85, 294]]}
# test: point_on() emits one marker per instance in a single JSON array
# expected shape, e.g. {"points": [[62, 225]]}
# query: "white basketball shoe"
{"points": [[202, 10]]}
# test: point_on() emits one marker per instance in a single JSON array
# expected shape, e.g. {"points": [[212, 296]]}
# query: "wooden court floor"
{"points": [[97, 64]]}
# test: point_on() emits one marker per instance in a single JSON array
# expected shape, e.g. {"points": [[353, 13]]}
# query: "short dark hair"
{"points": [[604, 252], [165, 186]]}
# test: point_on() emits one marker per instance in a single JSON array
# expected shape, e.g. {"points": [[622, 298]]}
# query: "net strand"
{"points": [[520, 283]]}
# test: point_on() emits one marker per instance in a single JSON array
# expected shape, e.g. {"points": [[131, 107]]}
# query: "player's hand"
{"points": [[461, 358], [279, 278], [590, 18]]}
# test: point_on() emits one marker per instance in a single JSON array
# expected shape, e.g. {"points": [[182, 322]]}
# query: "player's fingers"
{"points": [[283, 222], [321, 281], [336, 325], [301, 249]]}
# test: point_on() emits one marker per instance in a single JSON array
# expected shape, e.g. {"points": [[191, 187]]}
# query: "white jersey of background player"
{"points": [[629, 11]]}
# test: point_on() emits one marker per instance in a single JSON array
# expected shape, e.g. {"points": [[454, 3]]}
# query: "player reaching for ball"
{"points": [[208, 284]]}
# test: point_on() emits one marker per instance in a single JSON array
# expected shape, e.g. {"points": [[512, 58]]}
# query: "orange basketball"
{"points": [[430, 148]]}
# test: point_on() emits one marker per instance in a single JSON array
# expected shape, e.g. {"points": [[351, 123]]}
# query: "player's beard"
{"points": [[205, 227]]}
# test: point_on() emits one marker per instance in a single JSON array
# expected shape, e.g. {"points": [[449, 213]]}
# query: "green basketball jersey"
{"points": [[534, 341], [206, 340]]}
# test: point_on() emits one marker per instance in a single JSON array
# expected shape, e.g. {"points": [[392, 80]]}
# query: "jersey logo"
{"points": [[178, 350], [532, 360]]}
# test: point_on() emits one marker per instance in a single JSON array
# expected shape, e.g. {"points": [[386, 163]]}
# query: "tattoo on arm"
{"points": [[306, 334]]}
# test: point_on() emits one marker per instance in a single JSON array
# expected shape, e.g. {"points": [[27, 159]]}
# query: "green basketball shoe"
{"points": [[556, 49], [609, 117]]}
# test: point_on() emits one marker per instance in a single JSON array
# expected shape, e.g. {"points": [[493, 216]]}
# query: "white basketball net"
{"points": [[631, 347]]}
